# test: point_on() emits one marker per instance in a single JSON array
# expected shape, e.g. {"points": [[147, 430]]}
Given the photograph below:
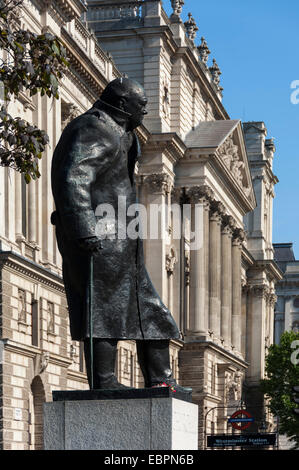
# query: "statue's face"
{"points": [[136, 106]]}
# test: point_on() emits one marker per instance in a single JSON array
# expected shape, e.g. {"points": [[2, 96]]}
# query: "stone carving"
{"points": [[51, 319], [177, 195], [233, 386], [159, 182], [204, 51], [229, 153], [228, 225], [69, 111], [21, 306], [166, 98], [217, 208], [177, 6], [171, 261], [239, 235], [191, 27], [272, 299], [227, 150], [196, 193], [236, 168], [215, 72], [44, 361], [73, 351], [261, 291]]}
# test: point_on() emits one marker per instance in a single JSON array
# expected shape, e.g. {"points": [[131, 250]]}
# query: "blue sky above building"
{"points": [[256, 46]]}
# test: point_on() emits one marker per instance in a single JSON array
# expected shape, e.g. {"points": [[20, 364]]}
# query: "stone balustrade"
{"points": [[117, 11]]}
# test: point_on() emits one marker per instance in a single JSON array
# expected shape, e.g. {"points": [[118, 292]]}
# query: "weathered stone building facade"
{"points": [[287, 291], [220, 289]]}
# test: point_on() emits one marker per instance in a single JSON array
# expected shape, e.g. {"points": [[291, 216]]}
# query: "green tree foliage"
{"points": [[282, 374], [32, 64]]}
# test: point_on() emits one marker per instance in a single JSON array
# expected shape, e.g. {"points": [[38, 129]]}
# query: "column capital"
{"points": [[199, 193], [218, 208], [261, 291], [239, 236], [228, 225], [161, 183], [177, 195], [272, 299]]}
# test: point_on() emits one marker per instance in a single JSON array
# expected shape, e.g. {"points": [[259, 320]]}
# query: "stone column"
{"points": [[216, 212], [256, 339], [47, 196], [272, 302], [187, 291], [158, 187], [18, 206], [32, 212], [244, 317], [238, 237], [226, 280], [288, 313], [200, 197]]}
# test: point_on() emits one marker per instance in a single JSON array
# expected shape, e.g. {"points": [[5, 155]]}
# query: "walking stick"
{"points": [[90, 306]]}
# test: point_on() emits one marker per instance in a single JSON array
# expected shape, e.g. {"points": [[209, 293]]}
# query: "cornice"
{"points": [[143, 134], [33, 351], [78, 376], [270, 267], [247, 258], [202, 344], [260, 164], [170, 142], [31, 270], [70, 8], [83, 65]]}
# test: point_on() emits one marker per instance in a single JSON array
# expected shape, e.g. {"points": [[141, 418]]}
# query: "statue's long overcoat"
{"points": [[93, 164]]}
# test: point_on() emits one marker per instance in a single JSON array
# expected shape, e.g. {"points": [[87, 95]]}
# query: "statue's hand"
{"points": [[91, 244]]}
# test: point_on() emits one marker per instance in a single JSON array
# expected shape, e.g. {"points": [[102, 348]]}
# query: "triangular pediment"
{"points": [[225, 140], [210, 134], [232, 153]]}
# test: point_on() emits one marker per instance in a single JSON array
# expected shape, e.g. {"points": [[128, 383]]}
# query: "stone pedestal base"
{"points": [[151, 423]]}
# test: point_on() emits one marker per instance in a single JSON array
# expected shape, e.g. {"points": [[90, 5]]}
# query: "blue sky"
{"points": [[256, 45]]}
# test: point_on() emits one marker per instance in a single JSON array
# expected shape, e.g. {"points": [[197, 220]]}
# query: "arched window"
{"points": [[36, 401]]}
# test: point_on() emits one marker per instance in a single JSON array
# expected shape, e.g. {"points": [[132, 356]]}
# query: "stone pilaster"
{"points": [[258, 295], [238, 238], [32, 212], [158, 189], [18, 206], [216, 212], [200, 197], [226, 280]]}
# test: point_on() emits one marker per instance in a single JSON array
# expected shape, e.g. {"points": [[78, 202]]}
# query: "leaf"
{"points": [[27, 178], [55, 48], [19, 45]]}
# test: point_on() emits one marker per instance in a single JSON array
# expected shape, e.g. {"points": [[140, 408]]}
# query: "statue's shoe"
{"points": [[173, 385], [110, 384]]}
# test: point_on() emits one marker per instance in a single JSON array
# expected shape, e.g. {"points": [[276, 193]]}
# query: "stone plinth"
{"points": [[96, 420]]}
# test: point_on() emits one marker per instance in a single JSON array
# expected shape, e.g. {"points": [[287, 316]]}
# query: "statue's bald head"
{"points": [[121, 88], [127, 95]]}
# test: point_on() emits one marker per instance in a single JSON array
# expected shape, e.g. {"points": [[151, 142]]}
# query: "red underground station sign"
{"points": [[241, 420]]}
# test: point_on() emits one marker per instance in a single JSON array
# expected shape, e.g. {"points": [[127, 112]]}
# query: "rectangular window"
{"points": [[35, 322]]}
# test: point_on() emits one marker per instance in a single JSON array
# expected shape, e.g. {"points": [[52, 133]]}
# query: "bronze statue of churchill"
{"points": [[93, 164]]}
